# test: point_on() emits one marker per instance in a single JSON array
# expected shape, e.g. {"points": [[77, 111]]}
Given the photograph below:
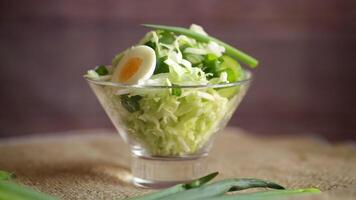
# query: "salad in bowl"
{"points": [[169, 94]]}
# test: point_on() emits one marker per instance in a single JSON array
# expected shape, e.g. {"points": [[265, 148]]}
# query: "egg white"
{"points": [[146, 69]]}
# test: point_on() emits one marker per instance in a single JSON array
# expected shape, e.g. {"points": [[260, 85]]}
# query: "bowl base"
{"points": [[161, 172], [153, 184]]}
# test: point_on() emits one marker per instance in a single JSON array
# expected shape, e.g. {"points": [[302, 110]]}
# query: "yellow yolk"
{"points": [[130, 68], [136, 66]]}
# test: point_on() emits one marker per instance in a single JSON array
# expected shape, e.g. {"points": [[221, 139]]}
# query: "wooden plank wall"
{"points": [[307, 49]]}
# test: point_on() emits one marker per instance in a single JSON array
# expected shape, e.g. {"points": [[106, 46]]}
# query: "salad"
{"points": [[174, 89]]}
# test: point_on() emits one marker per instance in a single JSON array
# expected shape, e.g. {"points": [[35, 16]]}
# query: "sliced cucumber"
{"points": [[229, 92], [234, 73], [232, 68]]}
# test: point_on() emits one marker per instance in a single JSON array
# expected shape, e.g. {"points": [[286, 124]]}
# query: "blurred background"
{"points": [[305, 83]]}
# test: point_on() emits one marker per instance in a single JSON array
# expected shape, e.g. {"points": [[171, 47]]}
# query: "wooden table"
{"points": [[94, 164]]}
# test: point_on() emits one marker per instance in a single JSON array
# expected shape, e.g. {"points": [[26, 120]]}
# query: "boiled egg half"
{"points": [[137, 64]]}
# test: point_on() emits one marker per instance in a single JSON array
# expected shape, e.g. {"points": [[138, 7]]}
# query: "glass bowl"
{"points": [[169, 129]]}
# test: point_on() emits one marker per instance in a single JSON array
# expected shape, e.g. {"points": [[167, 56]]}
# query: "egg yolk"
{"points": [[130, 68]]}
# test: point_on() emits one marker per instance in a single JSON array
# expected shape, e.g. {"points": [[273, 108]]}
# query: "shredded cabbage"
{"points": [[176, 125]]}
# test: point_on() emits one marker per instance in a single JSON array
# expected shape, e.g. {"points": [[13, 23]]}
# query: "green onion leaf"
{"points": [[4, 175], [201, 181], [131, 103], [161, 67], [13, 191], [151, 44], [176, 90], [239, 55], [211, 64], [268, 195], [195, 59], [198, 189], [220, 188], [166, 37], [101, 70]]}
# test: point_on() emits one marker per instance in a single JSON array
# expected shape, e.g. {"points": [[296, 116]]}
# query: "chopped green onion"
{"points": [[176, 90], [211, 65], [166, 37], [161, 67], [101, 70], [131, 103]]}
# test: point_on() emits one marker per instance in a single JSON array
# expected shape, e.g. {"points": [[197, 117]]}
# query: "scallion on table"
{"points": [[220, 190]]}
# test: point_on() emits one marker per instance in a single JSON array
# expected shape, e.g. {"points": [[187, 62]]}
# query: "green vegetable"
{"points": [[4, 175], [234, 73], [239, 55], [211, 64], [131, 103], [101, 70], [13, 191], [161, 67], [232, 68], [196, 60], [228, 92], [177, 188], [285, 193], [151, 44], [269, 195], [198, 190], [221, 187], [166, 37], [176, 90]]}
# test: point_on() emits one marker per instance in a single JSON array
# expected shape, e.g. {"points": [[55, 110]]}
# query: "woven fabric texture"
{"points": [[95, 164]]}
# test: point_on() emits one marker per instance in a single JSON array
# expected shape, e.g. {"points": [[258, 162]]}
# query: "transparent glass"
{"points": [[170, 130]]}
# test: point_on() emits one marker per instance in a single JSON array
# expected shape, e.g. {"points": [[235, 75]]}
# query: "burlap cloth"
{"points": [[95, 164]]}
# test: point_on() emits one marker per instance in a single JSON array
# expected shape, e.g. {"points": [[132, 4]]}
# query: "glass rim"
{"points": [[137, 86]]}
